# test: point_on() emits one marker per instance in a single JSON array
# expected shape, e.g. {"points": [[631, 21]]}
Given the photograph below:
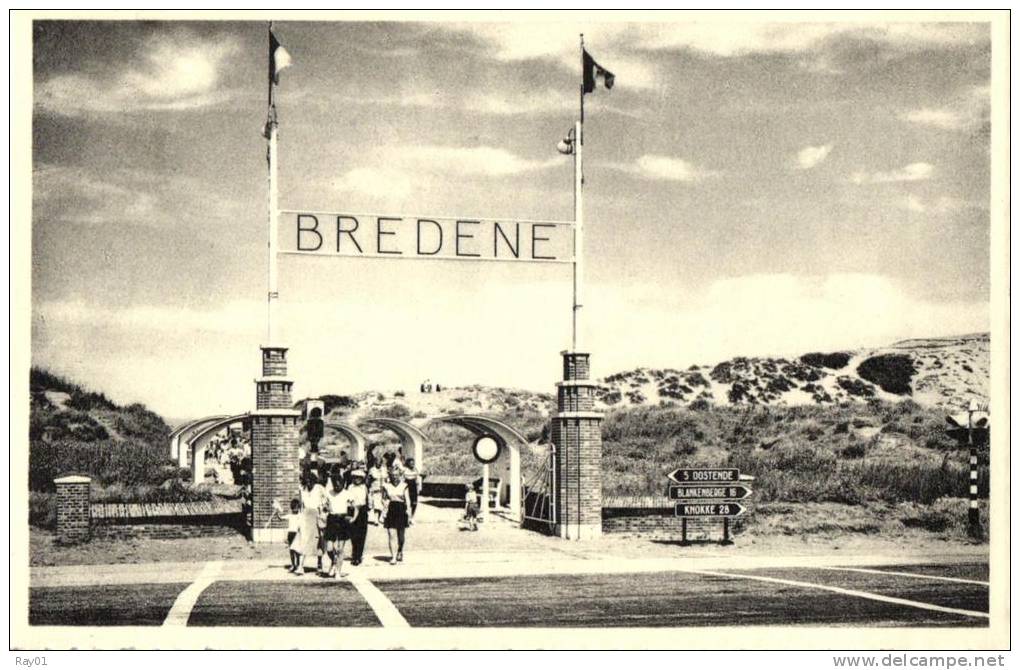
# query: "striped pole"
{"points": [[973, 514]]}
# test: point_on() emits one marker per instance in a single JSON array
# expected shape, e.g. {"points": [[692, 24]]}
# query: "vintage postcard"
{"points": [[577, 329]]}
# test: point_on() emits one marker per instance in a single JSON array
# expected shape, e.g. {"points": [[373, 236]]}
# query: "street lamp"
{"points": [[566, 145]]}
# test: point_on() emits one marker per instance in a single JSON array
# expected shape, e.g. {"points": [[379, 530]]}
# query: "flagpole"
{"points": [[273, 295], [578, 265]]}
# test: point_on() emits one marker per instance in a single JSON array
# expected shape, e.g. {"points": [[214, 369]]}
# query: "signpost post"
{"points": [[963, 428], [708, 493]]}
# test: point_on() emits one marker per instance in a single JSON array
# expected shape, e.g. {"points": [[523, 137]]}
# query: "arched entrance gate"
{"points": [[189, 441], [413, 440], [576, 425]]}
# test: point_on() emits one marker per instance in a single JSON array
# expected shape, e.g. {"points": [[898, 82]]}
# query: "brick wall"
{"points": [[74, 511], [575, 365], [274, 361], [182, 528], [654, 517], [578, 469], [275, 466], [576, 431], [273, 395], [274, 442], [576, 398]]}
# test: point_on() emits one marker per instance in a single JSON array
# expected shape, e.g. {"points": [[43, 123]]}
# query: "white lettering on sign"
{"points": [[725, 475], [435, 237], [704, 493]]}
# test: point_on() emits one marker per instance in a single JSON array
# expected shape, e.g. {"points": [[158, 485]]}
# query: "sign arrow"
{"points": [[704, 475], [708, 491], [709, 509]]}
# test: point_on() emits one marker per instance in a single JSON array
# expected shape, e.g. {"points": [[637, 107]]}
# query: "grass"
{"points": [[797, 454], [130, 462], [803, 454], [123, 449]]}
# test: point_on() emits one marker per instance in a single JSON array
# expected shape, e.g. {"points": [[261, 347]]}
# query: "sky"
{"points": [[750, 189]]}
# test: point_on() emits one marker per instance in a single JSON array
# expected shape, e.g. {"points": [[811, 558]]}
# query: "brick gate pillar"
{"points": [[274, 447], [74, 508], [577, 435]]}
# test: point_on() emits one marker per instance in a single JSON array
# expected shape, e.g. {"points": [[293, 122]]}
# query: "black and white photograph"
{"points": [[491, 330]]}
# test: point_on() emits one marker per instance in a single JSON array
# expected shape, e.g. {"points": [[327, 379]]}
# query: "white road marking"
{"points": [[916, 575], [181, 611], [846, 592], [388, 614]]}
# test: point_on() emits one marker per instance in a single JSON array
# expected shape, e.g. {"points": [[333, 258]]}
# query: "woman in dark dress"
{"points": [[338, 524], [413, 479], [398, 513], [357, 501]]}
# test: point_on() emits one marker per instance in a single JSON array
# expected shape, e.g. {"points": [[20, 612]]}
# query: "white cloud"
{"points": [[516, 42], [508, 103], [172, 72], [809, 157], [939, 205], [912, 172], [767, 314], [469, 161], [215, 348], [664, 168], [968, 111], [403, 170], [77, 195], [125, 196], [375, 182], [607, 42], [734, 38], [915, 204], [940, 118], [498, 102]]}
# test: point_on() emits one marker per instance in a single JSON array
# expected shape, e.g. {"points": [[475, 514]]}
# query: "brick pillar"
{"points": [[74, 508], [577, 435], [274, 446]]}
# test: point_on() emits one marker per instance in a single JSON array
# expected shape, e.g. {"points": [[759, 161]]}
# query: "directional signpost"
{"points": [[704, 475], [709, 509], [708, 493]]}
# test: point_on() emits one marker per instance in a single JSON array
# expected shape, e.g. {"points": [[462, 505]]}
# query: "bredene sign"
{"points": [[426, 237]]}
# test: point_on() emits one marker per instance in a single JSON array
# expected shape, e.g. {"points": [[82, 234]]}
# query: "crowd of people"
{"points": [[225, 456], [337, 502], [428, 387]]}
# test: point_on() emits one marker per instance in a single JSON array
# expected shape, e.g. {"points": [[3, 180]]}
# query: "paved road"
{"points": [[908, 595]]}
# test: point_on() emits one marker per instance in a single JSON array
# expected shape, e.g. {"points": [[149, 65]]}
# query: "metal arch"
{"points": [[217, 426], [182, 435], [187, 425], [483, 425], [411, 437], [509, 438], [357, 439], [192, 443]]}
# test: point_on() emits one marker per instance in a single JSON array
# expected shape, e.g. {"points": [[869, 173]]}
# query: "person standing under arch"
{"points": [[376, 479], [357, 494], [398, 514], [413, 479]]}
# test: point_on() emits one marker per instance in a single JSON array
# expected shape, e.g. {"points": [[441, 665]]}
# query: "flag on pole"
{"points": [[279, 58], [591, 71]]}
